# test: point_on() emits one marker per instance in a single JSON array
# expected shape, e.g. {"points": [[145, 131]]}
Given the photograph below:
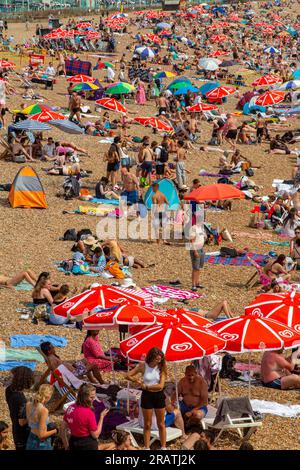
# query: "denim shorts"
{"points": [[34, 443], [197, 263]]}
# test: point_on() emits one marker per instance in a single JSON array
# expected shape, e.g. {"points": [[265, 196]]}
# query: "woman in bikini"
{"points": [[11, 282], [276, 269]]}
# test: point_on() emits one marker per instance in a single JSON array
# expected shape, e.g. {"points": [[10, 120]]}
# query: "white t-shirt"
{"points": [[50, 70], [196, 237], [110, 73]]}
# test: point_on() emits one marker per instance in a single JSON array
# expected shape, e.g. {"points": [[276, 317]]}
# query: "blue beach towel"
{"points": [[24, 285], [113, 202], [18, 341], [5, 366]]}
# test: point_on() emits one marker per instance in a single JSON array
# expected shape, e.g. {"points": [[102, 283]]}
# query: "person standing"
{"points": [[180, 168], [23, 379], [110, 75], [140, 94], [154, 372], [196, 243], [37, 417], [75, 106], [159, 210], [80, 420], [113, 159]]}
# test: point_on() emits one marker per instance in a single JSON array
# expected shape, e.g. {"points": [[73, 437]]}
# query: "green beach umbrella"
{"points": [[119, 88]]}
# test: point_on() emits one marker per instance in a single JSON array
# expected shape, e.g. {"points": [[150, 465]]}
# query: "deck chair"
{"points": [[258, 277], [133, 427], [214, 395], [232, 414], [6, 153]]}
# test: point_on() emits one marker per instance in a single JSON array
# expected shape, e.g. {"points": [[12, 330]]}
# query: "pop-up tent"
{"points": [[27, 190], [167, 187]]}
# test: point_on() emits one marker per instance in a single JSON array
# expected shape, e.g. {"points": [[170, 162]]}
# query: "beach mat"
{"points": [[9, 365], [238, 260], [19, 341]]}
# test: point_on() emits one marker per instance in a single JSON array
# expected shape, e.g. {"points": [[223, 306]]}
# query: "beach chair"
{"points": [[232, 414], [133, 427], [258, 277], [6, 153]]}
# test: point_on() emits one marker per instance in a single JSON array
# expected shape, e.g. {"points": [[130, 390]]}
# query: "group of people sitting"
{"points": [[156, 409]]}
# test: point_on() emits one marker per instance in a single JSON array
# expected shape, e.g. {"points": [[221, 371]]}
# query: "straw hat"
{"points": [[128, 282], [91, 241]]}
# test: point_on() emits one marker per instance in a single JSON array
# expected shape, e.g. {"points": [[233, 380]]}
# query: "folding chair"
{"points": [[258, 277], [227, 418]]}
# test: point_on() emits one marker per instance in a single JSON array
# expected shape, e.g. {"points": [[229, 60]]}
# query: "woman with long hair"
{"points": [[93, 352], [4, 428], [22, 380], [154, 372], [37, 416], [277, 269], [80, 422]]}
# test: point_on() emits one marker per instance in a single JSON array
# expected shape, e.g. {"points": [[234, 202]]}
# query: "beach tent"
{"points": [[27, 190], [167, 187]]}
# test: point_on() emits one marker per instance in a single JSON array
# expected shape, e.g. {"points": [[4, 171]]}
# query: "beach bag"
{"points": [[40, 312], [67, 265], [71, 187], [228, 252], [249, 172], [245, 166], [20, 159]]}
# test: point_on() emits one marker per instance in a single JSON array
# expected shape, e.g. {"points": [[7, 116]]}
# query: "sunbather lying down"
{"points": [[10, 282], [221, 307]]}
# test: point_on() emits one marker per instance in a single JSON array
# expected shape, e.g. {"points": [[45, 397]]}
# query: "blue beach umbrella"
{"points": [[184, 90], [67, 126], [31, 125]]}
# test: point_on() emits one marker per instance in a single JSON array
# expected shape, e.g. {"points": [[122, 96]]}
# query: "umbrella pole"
{"points": [[249, 375], [128, 408], [110, 354], [176, 384]]}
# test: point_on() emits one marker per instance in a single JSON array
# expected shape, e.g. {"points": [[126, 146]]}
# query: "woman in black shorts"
{"points": [[153, 397]]}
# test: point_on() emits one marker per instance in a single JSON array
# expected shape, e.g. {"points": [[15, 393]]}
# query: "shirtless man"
{"points": [[159, 208], [230, 130], [180, 168], [162, 104], [131, 186], [193, 389], [276, 371], [147, 161], [193, 128], [75, 105], [61, 63]]}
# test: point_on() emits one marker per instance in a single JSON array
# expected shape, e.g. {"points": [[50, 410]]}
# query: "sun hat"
{"points": [[90, 240], [128, 282]]}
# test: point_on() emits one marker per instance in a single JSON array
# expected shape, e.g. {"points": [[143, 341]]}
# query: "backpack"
{"points": [[70, 235], [71, 187], [228, 252], [164, 155]]}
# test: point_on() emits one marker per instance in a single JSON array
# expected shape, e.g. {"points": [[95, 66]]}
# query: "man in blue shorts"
{"points": [[194, 392]]}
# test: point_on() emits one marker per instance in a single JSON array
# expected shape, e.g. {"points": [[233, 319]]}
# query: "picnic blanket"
{"points": [[274, 408], [171, 292], [9, 365], [78, 67], [7, 354], [238, 260], [19, 341]]}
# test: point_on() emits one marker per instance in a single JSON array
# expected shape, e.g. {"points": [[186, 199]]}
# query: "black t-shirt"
{"points": [[16, 402]]}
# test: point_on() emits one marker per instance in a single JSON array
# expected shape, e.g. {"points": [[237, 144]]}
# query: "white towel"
{"points": [[273, 408]]}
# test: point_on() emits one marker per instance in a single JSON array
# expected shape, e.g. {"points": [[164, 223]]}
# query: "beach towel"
{"points": [[7, 354], [273, 408], [107, 140], [9, 365], [171, 292], [113, 202], [78, 67], [270, 242], [238, 261], [24, 285], [94, 211], [21, 341], [213, 175]]}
